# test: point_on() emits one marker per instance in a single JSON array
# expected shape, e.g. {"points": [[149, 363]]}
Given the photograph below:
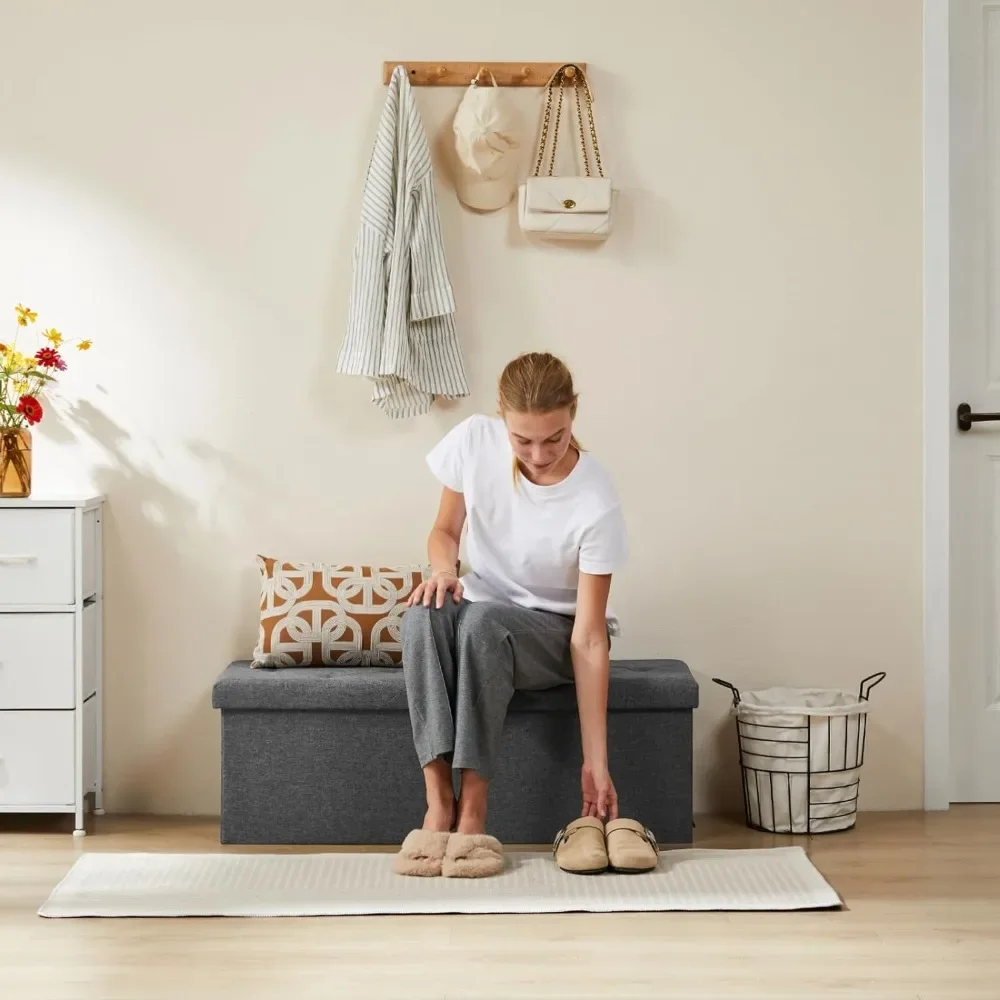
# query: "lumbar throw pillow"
{"points": [[316, 614]]}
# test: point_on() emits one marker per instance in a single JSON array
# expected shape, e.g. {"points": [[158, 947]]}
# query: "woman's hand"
{"points": [[599, 796], [435, 590]]}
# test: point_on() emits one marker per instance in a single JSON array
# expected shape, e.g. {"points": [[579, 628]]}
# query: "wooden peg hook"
{"points": [[458, 74]]}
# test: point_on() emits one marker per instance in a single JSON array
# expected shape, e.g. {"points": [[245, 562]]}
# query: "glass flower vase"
{"points": [[15, 462]]}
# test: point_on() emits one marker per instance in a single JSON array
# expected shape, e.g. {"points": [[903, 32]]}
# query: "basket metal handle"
{"points": [[871, 681], [735, 690], [865, 689]]}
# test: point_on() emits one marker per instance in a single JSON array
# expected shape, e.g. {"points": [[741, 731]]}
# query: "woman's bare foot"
{"points": [[440, 815], [472, 803]]}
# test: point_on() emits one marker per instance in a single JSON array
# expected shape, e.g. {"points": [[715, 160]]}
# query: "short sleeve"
{"points": [[604, 547], [449, 458]]}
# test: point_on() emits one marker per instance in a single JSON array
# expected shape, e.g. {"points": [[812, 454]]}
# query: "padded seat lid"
{"points": [[636, 685]]}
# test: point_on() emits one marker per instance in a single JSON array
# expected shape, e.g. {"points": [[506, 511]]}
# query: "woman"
{"points": [[545, 533]]}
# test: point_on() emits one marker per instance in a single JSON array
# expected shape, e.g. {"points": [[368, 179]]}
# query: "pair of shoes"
{"points": [[453, 855], [588, 847]]}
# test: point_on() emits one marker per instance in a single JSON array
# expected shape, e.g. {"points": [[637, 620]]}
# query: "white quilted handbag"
{"points": [[573, 206]]}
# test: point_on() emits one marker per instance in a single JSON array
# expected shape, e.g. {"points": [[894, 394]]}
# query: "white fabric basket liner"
{"points": [[802, 730], [783, 703]]}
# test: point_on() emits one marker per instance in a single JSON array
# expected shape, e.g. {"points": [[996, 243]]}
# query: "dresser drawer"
{"points": [[36, 758], [36, 660], [37, 556]]}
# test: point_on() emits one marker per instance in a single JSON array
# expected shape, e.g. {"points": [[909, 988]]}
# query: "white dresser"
{"points": [[51, 658]]}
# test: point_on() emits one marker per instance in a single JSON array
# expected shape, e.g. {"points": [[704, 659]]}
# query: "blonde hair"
{"points": [[536, 383]]}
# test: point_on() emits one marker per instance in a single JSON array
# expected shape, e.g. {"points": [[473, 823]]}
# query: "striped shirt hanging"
{"points": [[401, 324]]}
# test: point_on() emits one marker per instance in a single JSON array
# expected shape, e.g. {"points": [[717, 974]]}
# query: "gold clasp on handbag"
{"points": [[569, 203]]}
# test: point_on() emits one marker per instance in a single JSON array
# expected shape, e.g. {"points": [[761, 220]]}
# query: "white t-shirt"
{"points": [[528, 544]]}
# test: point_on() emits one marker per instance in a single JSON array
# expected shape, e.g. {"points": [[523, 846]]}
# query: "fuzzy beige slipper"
{"points": [[631, 847], [421, 854], [472, 855], [580, 848]]}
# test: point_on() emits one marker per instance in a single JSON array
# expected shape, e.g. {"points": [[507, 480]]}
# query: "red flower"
{"points": [[30, 409], [48, 357]]}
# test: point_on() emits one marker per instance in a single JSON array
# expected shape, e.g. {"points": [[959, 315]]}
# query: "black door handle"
{"points": [[966, 418]]}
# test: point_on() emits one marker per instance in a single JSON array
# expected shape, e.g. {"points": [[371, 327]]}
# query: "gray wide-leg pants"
{"points": [[462, 664]]}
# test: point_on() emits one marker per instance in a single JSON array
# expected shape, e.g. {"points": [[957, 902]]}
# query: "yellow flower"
{"points": [[84, 345], [21, 386], [3, 348], [54, 337], [25, 315], [19, 363]]}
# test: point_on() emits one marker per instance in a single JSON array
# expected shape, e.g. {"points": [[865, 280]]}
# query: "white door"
{"points": [[975, 382]]}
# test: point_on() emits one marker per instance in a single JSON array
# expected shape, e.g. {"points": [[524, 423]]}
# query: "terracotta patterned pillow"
{"points": [[318, 614]]}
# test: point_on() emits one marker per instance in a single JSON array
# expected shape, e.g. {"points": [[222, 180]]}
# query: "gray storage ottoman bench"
{"points": [[324, 755]]}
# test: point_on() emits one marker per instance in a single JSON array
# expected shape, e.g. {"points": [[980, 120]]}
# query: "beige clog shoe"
{"points": [[632, 848], [580, 848]]}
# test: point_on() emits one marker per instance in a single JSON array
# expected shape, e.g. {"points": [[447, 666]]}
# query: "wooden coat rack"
{"points": [[461, 74]]}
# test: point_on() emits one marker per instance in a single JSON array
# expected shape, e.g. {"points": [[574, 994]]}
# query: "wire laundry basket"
{"points": [[801, 754]]}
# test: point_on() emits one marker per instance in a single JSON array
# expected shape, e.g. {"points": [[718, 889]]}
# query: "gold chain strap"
{"points": [[544, 134], [593, 126], [547, 118], [555, 130]]}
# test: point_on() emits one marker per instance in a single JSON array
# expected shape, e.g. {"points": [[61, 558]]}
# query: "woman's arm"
{"points": [[442, 549], [446, 535], [591, 655]]}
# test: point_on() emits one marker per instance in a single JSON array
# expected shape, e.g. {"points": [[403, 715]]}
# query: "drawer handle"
{"points": [[17, 560]]}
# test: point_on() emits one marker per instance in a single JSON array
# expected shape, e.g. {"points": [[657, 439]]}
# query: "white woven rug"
{"points": [[329, 884]]}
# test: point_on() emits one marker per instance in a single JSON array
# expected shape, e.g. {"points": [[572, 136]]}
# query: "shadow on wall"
{"points": [[165, 574], [719, 790]]}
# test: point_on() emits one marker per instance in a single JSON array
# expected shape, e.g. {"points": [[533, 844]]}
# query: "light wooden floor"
{"points": [[923, 920]]}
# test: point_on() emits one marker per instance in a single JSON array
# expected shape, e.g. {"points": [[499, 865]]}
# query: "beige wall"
{"points": [[181, 181]]}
